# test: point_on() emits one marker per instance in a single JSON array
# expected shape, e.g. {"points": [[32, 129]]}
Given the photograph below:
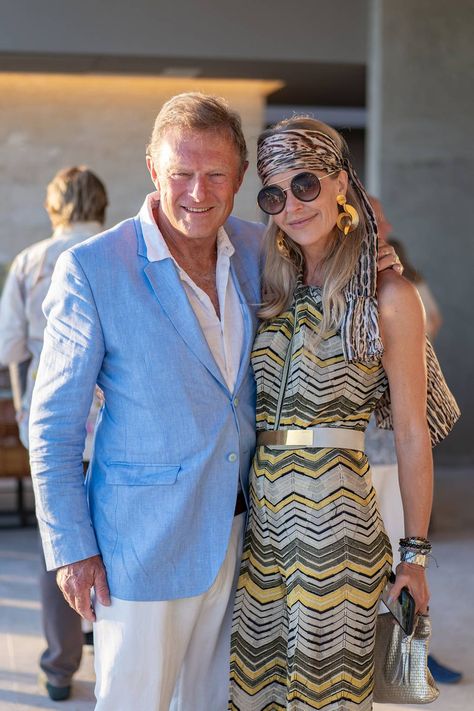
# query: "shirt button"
{"points": [[232, 457]]}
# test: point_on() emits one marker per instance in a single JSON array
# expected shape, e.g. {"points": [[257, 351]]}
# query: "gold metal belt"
{"points": [[336, 437]]}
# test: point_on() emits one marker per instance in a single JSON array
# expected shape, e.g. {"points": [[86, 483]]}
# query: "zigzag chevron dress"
{"points": [[316, 555]]}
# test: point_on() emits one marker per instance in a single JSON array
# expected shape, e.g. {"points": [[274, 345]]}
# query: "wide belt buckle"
{"points": [[323, 437], [299, 438]]}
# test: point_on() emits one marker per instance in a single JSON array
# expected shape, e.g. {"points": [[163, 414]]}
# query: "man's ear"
{"points": [[242, 172], [153, 174]]}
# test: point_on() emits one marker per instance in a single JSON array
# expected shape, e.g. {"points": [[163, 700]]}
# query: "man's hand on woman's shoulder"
{"points": [[388, 258]]}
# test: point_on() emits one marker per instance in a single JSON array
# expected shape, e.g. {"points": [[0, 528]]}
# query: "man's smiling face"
{"points": [[197, 174]]}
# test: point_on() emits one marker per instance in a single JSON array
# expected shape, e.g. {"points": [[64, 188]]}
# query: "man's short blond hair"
{"points": [[194, 111], [76, 194]]}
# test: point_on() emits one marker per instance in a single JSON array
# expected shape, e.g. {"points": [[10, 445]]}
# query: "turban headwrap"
{"points": [[293, 149]]}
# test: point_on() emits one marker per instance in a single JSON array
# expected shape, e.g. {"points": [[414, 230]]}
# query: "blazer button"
{"points": [[236, 401], [232, 457]]}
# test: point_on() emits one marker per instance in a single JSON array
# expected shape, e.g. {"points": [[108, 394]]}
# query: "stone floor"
{"points": [[20, 631], [452, 585]]}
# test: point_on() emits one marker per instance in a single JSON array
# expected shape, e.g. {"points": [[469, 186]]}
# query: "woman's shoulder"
{"points": [[395, 295]]}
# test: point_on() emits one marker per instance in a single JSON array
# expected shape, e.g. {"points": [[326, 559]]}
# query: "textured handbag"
{"points": [[401, 663]]}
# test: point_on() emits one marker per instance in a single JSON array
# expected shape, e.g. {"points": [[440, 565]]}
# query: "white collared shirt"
{"points": [[22, 321], [224, 335]]}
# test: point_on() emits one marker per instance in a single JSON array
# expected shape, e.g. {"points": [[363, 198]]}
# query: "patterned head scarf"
{"points": [[306, 149]]}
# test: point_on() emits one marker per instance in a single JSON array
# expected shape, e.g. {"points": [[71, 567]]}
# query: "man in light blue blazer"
{"points": [[160, 312]]}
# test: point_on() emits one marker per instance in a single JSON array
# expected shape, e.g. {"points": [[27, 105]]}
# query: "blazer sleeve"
{"points": [[70, 361], [13, 321]]}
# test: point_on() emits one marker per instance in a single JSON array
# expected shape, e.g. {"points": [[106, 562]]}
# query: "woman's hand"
{"points": [[413, 577]]}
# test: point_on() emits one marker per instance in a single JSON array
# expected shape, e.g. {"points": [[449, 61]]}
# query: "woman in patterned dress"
{"points": [[332, 340]]}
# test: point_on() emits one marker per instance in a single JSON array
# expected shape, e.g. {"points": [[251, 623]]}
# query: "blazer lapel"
{"points": [[169, 291], [249, 303]]}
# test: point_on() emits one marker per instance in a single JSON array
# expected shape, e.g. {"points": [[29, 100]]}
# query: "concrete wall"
{"points": [[421, 157], [51, 121], [265, 30], [422, 104]]}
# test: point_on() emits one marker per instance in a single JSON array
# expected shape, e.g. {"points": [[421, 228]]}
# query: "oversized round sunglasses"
{"points": [[304, 186]]}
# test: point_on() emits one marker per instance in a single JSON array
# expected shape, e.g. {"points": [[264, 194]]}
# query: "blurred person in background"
{"points": [[76, 201], [433, 316], [380, 444]]}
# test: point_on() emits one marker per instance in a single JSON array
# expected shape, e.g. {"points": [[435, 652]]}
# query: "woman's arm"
{"points": [[403, 334]]}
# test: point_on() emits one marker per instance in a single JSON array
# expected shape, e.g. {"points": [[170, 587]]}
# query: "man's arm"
{"points": [[71, 358], [13, 321]]}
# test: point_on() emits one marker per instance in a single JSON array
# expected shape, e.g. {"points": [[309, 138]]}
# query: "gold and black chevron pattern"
{"points": [[316, 555]]}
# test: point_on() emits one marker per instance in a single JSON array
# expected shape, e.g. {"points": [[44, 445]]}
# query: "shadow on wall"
{"points": [[453, 511]]}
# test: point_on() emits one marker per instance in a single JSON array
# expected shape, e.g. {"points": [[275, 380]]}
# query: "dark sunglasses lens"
{"points": [[306, 186], [271, 200]]}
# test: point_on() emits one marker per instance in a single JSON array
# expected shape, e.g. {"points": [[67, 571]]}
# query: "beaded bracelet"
{"points": [[415, 541], [421, 545], [418, 551]]}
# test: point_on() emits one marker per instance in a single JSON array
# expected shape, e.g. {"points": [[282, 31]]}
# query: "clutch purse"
{"points": [[401, 663]]}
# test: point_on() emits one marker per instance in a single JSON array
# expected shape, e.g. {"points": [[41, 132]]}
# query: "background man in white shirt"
{"points": [[76, 201]]}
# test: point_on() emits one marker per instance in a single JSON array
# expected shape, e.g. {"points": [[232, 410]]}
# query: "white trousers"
{"points": [[389, 499], [169, 655]]}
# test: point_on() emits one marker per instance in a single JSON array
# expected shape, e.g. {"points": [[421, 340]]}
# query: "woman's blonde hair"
{"points": [[281, 270], [76, 194]]}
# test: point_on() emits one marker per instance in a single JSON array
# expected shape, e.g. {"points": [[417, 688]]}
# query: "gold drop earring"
{"points": [[282, 245], [348, 219]]}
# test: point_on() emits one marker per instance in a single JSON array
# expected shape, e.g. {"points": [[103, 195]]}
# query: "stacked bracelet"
{"points": [[415, 550], [411, 557], [415, 543]]}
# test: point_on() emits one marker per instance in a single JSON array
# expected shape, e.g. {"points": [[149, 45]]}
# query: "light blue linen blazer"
{"points": [[171, 441]]}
